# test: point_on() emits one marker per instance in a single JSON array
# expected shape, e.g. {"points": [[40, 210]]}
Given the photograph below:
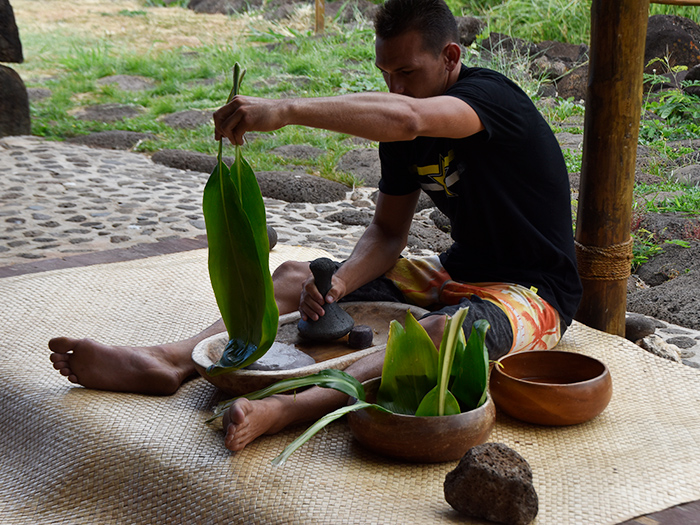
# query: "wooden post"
{"points": [[611, 129], [320, 16], [677, 2]]}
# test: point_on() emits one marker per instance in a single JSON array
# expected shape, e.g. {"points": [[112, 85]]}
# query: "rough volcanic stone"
{"points": [[117, 139], [682, 342], [36, 94], [226, 7], [363, 164], [14, 104], [493, 482], [297, 151], [189, 119], [469, 28], [109, 112], [351, 217], [674, 38], [638, 326], [127, 82], [10, 44], [687, 175], [299, 187], [187, 160], [427, 238], [441, 221]]}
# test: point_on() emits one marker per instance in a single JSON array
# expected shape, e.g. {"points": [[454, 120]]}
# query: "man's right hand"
{"points": [[244, 114], [311, 302]]}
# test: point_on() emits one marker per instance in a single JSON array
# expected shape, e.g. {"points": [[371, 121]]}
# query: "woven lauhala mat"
{"points": [[70, 455]]}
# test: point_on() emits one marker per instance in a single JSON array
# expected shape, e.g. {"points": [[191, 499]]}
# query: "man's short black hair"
{"points": [[432, 18]]}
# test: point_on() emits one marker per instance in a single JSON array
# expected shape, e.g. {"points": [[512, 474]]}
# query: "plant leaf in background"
{"points": [[410, 367], [440, 401], [470, 370], [234, 213]]}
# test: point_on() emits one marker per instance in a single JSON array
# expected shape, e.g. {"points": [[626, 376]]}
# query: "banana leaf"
{"points": [[410, 368], [470, 370], [440, 401], [234, 214]]}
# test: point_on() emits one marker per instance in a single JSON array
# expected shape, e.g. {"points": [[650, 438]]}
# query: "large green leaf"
{"points": [[325, 420], [234, 213], [410, 367], [440, 401], [330, 378], [470, 370]]}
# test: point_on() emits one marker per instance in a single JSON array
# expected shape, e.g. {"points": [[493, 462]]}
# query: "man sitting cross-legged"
{"points": [[475, 143]]}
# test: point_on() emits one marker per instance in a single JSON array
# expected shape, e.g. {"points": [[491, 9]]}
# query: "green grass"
{"points": [[539, 20], [283, 62]]}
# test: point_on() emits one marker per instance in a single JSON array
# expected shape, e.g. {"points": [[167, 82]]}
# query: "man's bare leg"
{"points": [[245, 420], [157, 369]]}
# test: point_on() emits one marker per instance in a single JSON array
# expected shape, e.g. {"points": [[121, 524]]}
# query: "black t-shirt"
{"points": [[505, 190]]}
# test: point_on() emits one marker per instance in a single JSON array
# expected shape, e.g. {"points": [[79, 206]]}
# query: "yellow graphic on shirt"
{"points": [[438, 178]]}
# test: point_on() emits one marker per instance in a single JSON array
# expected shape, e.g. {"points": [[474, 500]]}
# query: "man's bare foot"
{"points": [[245, 420], [148, 370]]}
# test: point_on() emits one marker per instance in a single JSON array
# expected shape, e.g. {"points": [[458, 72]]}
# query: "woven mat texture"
{"points": [[70, 455]]}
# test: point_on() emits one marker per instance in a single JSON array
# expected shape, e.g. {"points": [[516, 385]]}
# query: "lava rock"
{"points": [[10, 44], [187, 160], [14, 104], [114, 139], [360, 337], [271, 236], [493, 482], [299, 187], [364, 164], [189, 119], [638, 326]]}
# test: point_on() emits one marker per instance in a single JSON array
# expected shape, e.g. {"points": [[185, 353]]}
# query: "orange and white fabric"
{"points": [[424, 282]]}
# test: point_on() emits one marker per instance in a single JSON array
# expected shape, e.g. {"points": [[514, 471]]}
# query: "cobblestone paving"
{"points": [[59, 199]]}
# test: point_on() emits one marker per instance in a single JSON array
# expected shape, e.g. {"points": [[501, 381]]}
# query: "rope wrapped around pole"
{"points": [[612, 263]]}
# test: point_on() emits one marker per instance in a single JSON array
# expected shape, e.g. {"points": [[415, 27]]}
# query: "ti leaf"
{"points": [[330, 378], [325, 420], [410, 367], [440, 401], [470, 370], [234, 213]]}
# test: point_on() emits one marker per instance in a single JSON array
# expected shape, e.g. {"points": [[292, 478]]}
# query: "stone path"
{"points": [[58, 200]]}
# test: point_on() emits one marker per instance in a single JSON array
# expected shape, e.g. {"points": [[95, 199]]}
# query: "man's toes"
{"points": [[61, 345]]}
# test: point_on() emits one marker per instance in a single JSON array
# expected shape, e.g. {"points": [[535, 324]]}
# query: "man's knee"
{"points": [[291, 271], [435, 326]]}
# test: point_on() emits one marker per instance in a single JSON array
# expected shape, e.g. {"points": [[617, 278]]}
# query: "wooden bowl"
{"points": [[551, 387], [420, 439], [332, 354]]}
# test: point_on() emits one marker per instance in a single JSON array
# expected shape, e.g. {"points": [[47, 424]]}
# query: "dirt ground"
{"points": [[122, 23]]}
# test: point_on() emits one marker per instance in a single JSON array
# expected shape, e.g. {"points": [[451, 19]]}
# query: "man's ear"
{"points": [[452, 54]]}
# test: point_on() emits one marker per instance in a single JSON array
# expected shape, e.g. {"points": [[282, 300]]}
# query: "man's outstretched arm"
{"points": [[384, 117]]}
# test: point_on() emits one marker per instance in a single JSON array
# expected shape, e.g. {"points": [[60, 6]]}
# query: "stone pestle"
{"points": [[336, 322]]}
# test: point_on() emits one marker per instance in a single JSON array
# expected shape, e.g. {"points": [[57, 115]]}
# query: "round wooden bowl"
{"points": [[551, 387], [330, 354], [420, 439]]}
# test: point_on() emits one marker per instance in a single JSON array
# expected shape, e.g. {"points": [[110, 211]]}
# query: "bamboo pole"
{"points": [[611, 129], [319, 26]]}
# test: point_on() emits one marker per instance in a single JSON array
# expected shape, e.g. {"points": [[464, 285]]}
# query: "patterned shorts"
{"points": [[535, 323]]}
